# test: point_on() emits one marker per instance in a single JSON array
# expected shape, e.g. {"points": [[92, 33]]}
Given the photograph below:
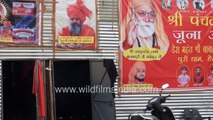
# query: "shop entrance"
{"points": [[69, 77], [18, 101]]}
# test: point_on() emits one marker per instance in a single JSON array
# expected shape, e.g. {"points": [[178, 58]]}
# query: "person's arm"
{"points": [[202, 78], [87, 31], [91, 32], [179, 79], [132, 29], [195, 79], [64, 31], [208, 79], [188, 80]]}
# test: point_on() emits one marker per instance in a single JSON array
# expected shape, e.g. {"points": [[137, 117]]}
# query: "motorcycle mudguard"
{"points": [[165, 115]]}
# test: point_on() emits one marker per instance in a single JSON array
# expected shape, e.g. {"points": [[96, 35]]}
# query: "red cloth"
{"points": [[41, 90], [78, 10], [86, 31], [198, 78], [127, 46]]}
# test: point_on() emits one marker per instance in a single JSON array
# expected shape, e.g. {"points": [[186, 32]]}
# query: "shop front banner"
{"points": [[166, 41], [18, 22], [76, 24]]}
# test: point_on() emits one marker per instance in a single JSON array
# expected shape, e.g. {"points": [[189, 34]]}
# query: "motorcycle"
{"points": [[159, 111]]}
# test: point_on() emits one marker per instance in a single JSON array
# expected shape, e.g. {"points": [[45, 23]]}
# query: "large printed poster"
{"points": [[166, 41], [76, 24], [18, 22]]}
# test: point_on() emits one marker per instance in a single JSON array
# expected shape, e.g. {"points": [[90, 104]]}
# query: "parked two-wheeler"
{"points": [[159, 111]]}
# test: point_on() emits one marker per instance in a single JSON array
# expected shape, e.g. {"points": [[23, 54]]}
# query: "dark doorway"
{"points": [[18, 101], [72, 75]]}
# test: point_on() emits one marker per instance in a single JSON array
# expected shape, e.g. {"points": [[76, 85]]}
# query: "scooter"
{"points": [[158, 111]]}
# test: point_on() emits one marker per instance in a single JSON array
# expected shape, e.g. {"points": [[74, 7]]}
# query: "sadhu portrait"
{"points": [[137, 73], [198, 75], [77, 19], [142, 26]]}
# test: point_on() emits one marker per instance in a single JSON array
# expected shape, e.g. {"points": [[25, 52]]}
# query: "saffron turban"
{"points": [[78, 10]]}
